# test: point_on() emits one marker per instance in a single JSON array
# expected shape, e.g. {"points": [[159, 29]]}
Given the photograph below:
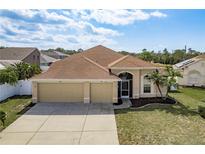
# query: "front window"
{"points": [[147, 88], [147, 85]]}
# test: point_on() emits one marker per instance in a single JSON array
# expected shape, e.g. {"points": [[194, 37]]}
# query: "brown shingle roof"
{"points": [[91, 64], [75, 67], [102, 55], [130, 61], [15, 53]]}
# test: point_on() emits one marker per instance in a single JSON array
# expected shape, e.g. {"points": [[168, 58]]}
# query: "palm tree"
{"points": [[158, 79], [171, 76]]}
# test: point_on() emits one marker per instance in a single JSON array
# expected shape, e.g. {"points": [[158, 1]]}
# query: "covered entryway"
{"points": [[125, 85], [101, 92], [60, 92]]}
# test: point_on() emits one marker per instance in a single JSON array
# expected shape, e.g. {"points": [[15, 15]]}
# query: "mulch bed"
{"points": [[144, 101]]}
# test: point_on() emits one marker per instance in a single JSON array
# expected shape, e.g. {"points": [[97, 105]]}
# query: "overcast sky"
{"points": [[130, 30]]}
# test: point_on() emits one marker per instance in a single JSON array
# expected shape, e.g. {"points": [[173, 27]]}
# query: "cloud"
{"points": [[158, 14], [118, 17], [70, 29]]}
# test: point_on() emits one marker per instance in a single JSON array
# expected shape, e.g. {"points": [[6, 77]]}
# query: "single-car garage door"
{"points": [[60, 92], [101, 92]]}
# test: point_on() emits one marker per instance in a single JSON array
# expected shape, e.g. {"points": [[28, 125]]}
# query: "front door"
{"points": [[125, 89]]}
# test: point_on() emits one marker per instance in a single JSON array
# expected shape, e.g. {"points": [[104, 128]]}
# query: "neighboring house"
{"points": [[96, 75], [46, 61], [193, 71], [56, 54], [6, 63], [27, 55]]}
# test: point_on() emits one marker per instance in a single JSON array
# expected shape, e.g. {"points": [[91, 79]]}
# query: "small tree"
{"points": [[158, 79], [2, 117], [171, 76]]}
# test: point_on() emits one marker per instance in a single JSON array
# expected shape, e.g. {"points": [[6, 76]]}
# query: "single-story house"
{"points": [[98, 74], [24, 54], [193, 71], [46, 61], [56, 54], [6, 63]]}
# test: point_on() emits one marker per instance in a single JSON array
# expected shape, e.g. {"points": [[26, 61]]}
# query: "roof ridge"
{"points": [[93, 62], [118, 60]]}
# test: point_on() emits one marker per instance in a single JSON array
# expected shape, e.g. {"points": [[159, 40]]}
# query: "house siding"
{"points": [[30, 58], [199, 68]]}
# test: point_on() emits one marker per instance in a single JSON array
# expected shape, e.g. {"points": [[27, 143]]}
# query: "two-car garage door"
{"points": [[60, 92], [74, 92]]}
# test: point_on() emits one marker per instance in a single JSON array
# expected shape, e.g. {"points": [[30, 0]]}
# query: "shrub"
{"points": [[2, 117], [25, 71], [19, 71], [8, 76], [201, 110]]}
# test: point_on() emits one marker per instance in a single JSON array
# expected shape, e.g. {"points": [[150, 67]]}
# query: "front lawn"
{"points": [[164, 124], [14, 107]]}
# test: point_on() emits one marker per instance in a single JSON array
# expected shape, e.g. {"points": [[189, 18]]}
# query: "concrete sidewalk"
{"points": [[63, 123]]}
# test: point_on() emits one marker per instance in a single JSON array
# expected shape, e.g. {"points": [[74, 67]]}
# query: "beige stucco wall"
{"points": [[87, 92], [195, 68], [34, 92], [63, 91], [138, 76]]}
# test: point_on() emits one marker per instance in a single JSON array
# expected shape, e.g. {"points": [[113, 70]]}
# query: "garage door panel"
{"points": [[60, 92], [101, 92]]}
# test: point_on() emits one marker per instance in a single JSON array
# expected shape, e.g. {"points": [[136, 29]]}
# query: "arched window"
{"points": [[146, 85]]}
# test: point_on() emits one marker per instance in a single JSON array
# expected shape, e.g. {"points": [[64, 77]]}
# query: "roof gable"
{"points": [[102, 55]]}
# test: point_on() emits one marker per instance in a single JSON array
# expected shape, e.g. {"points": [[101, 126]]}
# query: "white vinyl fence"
{"points": [[23, 87]]}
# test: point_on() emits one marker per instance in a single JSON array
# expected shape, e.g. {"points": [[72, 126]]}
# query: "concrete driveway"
{"points": [[63, 123]]}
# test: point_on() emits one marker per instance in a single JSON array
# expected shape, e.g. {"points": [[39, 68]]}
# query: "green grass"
{"points": [[196, 93], [14, 107], [164, 124]]}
